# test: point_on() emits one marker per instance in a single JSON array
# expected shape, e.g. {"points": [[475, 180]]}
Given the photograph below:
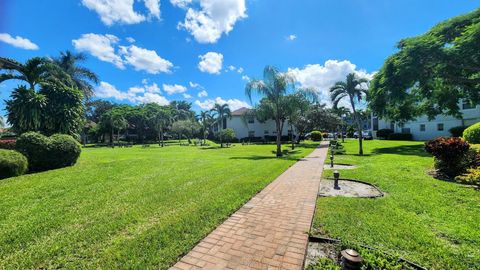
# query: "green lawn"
{"points": [[129, 207], [432, 222]]}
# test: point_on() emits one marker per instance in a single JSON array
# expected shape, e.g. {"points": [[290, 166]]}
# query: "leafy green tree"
{"points": [[96, 108], [159, 119], [431, 73], [63, 112], [352, 89], [82, 77], [182, 110], [297, 106], [227, 135], [221, 112], [274, 88], [24, 109], [187, 128]]}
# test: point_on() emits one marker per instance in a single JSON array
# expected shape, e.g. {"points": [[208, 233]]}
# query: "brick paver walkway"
{"points": [[271, 230]]}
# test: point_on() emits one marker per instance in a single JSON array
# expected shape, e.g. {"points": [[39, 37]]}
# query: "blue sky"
{"points": [[204, 51]]}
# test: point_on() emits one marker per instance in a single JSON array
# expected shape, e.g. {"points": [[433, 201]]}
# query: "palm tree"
{"points": [[351, 89], [206, 121], [160, 120], [273, 88], [35, 71], [25, 109], [221, 112], [81, 77], [119, 122]]}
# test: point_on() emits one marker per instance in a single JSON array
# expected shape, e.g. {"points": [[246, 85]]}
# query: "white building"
{"points": [[423, 129], [250, 126]]}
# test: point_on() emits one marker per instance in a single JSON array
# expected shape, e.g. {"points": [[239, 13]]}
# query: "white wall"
{"points": [[241, 128], [470, 116]]}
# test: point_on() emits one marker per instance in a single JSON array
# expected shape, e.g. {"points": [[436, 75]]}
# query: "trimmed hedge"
{"points": [[472, 133], [400, 137], [316, 136], [46, 153], [12, 163], [384, 133]]}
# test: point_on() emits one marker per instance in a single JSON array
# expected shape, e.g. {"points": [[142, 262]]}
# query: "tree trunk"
{"points": [[118, 137], [111, 137], [161, 137], [279, 137], [359, 127], [293, 141]]}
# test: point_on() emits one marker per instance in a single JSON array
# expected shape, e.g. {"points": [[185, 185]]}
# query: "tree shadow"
{"points": [[407, 150]]}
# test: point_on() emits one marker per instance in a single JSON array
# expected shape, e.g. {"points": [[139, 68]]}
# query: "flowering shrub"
{"points": [[471, 177], [7, 144], [452, 155]]}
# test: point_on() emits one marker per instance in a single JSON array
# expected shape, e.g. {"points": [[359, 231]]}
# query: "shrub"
{"points": [[457, 131], [384, 133], [7, 144], [12, 163], [451, 155], [472, 133], [316, 136], [325, 135], [400, 136], [227, 135], [46, 153], [471, 177]]}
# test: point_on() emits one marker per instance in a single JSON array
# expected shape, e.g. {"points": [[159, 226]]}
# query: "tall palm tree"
{"points": [[81, 77], [273, 88], [206, 120], [352, 89], [221, 112], [25, 109]]}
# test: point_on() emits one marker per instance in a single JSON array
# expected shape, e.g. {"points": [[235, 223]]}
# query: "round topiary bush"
{"points": [[472, 133], [64, 151], [46, 153], [316, 136], [12, 163]]}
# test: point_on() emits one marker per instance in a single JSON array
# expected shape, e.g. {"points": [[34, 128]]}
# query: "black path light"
{"points": [[351, 260], [336, 176]]}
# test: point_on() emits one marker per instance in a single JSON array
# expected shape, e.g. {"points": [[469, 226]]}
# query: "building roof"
{"points": [[240, 111]]}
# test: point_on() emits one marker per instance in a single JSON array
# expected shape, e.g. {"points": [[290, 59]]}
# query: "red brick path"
{"points": [[271, 230]]}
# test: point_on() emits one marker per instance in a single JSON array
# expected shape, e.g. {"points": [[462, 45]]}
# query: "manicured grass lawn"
{"points": [[432, 222], [129, 207]]}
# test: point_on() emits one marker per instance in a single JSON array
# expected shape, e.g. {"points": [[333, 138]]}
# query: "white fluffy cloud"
{"points": [[322, 77], [135, 94], [211, 62], [19, 42], [246, 78], [121, 11], [214, 18], [291, 37], [130, 39], [143, 59], [181, 3], [174, 88], [187, 96], [234, 104], [202, 93], [100, 46]]}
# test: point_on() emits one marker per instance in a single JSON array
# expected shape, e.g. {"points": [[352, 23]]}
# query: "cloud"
{"points": [[130, 39], [240, 70], [121, 11], [234, 104], [291, 37], [174, 88], [19, 42], [135, 94], [100, 46], [194, 85], [181, 3], [186, 95], [202, 93], [211, 62], [322, 77], [245, 78], [143, 59], [214, 18]]}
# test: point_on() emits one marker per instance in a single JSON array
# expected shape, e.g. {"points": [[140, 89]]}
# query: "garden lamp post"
{"points": [[351, 260], [331, 160], [336, 176]]}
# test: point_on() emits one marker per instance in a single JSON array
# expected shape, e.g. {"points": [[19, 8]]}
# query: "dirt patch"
{"points": [[348, 188], [316, 250]]}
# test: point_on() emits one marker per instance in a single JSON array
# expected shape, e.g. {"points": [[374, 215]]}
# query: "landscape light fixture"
{"points": [[351, 260], [336, 176]]}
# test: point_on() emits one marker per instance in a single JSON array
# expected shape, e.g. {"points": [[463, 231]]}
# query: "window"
{"points": [[440, 127], [406, 130], [467, 105], [422, 127], [251, 134], [251, 120], [265, 132]]}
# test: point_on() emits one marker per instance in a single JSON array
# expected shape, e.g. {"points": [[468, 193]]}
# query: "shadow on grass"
{"points": [[407, 150]]}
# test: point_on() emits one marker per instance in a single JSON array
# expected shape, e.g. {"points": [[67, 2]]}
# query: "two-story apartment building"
{"points": [[423, 129], [249, 126]]}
